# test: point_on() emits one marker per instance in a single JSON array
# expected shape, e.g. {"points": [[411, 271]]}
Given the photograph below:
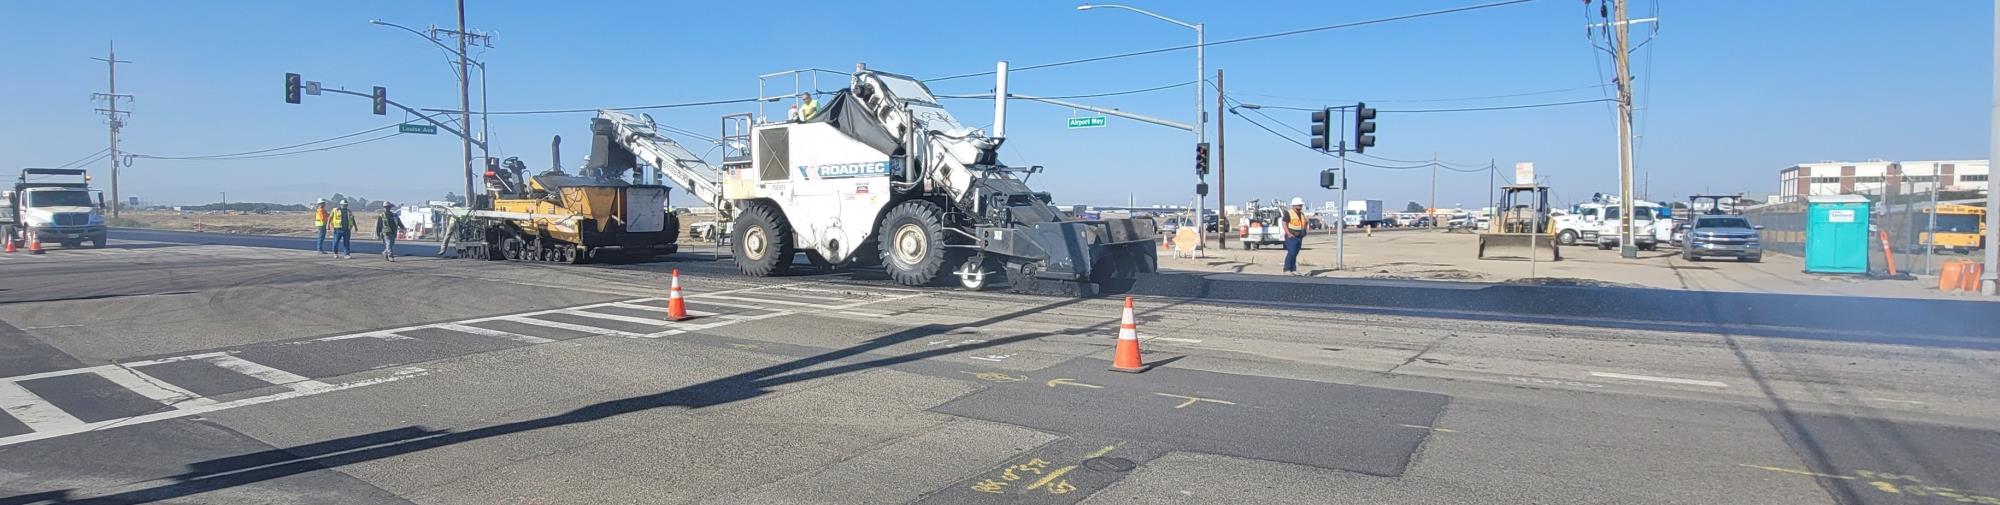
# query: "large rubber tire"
{"points": [[97, 241], [912, 244], [1567, 237], [762, 244]]}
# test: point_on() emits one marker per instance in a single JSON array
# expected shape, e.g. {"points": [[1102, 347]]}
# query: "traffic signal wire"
{"points": [[1267, 129], [989, 95], [1241, 39], [261, 151]]}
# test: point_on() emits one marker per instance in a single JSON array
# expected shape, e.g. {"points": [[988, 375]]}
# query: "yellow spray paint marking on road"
{"points": [[745, 347], [1101, 452], [1797, 471], [1897, 484], [1191, 400], [1432, 428], [995, 376], [1051, 481], [1071, 382], [1060, 487]]}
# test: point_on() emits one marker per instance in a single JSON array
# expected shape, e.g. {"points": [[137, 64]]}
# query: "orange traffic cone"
{"points": [[1127, 358], [34, 243], [10, 244], [676, 306]]}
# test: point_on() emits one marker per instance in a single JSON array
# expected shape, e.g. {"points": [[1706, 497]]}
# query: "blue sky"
{"points": [[1731, 91]]}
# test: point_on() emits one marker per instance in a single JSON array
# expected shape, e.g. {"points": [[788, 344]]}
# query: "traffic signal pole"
{"points": [[465, 107], [1221, 162], [1991, 284]]}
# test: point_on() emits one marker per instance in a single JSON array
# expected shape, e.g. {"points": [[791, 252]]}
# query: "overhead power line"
{"points": [[1427, 100], [279, 148], [1287, 138], [1460, 109], [638, 107], [1089, 95], [86, 159], [1241, 39]]}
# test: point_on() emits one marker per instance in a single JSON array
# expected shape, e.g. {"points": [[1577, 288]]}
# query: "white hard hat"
{"points": [[322, 200], [1298, 201], [343, 202]]}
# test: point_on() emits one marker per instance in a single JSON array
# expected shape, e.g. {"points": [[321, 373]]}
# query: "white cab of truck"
{"points": [[56, 206], [1598, 224]]}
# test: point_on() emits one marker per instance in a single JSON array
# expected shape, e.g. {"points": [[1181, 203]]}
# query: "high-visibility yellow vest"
{"points": [[806, 109], [339, 220], [319, 217], [1295, 220]]}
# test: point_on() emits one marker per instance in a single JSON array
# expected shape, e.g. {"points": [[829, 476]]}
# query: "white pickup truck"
{"points": [[1598, 224], [1263, 228]]}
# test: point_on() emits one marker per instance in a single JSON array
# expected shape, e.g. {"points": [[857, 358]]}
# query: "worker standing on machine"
{"points": [[342, 223], [1295, 234], [319, 223], [807, 106], [387, 228]]}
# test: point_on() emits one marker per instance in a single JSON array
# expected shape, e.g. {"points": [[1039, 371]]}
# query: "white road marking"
{"points": [[34, 411], [1146, 338], [264, 373], [554, 324], [765, 300], [1669, 380], [526, 339], [863, 314], [151, 387], [1893, 400], [171, 414], [615, 317]]}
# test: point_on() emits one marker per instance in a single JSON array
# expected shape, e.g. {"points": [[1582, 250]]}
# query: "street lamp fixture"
{"points": [[465, 110]]}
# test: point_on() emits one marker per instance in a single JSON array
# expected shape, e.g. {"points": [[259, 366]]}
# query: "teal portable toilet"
{"points": [[1836, 234]]}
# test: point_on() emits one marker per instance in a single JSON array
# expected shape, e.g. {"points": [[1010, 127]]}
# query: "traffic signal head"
{"points": [[1320, 121], [1201, 158], [1329, 178], [292, 88], [381, 101], [1364, 127]]}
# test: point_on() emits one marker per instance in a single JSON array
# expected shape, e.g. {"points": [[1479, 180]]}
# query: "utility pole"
{"points": [[1492, 203], [1434, 189], [1622, 33], [1991, 284], [1221, 163], [115, 118], [465, 104]]}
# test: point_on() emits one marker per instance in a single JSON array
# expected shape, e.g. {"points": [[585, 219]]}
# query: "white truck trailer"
{"points": [[1363, 213]]}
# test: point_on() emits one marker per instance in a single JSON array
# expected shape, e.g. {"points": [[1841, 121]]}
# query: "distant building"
{"points": [[1870, 177]]}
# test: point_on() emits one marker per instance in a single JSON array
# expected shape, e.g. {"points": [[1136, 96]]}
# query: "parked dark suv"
{"points": [[1725, 236]]}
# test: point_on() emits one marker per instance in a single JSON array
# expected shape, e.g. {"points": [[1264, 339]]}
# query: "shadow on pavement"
{"points": [[1942, 323], [262, 466]]}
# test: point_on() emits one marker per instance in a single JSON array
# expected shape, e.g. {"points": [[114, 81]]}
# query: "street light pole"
{"points": [[464, 93], [1200, 101]]}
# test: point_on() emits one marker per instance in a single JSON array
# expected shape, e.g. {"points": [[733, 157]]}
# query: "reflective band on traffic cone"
{"points": [[1127, 357], [10, 245], [676, 306]]}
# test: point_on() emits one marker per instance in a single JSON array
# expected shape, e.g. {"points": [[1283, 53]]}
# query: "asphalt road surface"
{"points": [[201, 368]]}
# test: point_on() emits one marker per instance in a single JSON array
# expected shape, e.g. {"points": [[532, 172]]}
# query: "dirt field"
{"points": [[296, 224], [1432, 254]]}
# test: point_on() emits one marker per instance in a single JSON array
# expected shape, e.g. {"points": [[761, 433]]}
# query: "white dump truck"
{"points": [[55, 205]]}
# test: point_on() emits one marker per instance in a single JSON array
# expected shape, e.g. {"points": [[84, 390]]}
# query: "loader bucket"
{"points": [[1518, 246]]}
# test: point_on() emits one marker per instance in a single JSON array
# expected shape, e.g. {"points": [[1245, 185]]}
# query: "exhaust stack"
{"points": [[1000, 101], [555, 154]]}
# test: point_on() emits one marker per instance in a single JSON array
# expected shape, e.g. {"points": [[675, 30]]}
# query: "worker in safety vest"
{"points": [[1295, 234], [807, 106], [319, 225], [341, 221], [387, 228]]}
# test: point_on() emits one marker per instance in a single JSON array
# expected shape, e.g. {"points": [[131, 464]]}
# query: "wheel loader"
{"points": [[1520, 228], [881, 174]]}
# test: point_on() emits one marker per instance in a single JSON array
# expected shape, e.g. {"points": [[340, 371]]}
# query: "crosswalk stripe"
{"points": [[151, 387], [34, 411], [614, 317], [527, 339], [264, 373], [766, 300], [557, 325]]}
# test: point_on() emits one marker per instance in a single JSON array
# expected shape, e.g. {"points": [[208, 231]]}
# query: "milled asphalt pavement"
{"points": [[199, 368]]}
